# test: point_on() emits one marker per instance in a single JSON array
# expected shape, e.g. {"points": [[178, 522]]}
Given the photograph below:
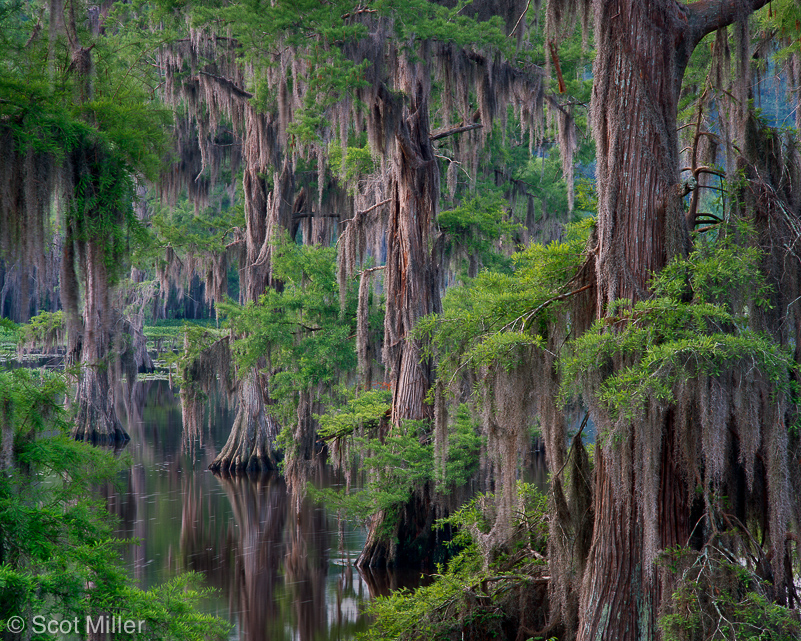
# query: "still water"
{"points": [[277, 572]]}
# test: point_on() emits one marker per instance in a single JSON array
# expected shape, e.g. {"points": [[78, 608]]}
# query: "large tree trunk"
{"points": [[643, 49], [97, 418], [411, 293], [250, 444]]}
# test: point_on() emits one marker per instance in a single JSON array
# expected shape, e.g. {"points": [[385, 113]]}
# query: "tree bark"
{"points": [[97, 419], [250, 445], [643, 49], [411, 292]]}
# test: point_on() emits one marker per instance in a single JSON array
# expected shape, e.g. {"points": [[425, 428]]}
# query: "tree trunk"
{"points": [[250, 444], [410, 275], [97, 419], [411, 293], [643, 49]]}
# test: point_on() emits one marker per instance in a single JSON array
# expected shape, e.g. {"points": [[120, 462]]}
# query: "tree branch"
{"points": [[520, 19], [532, 314], [225, 82], [357, 12], [370, 270], [310, 214], [705, 16], [555, 58], [704, 170], [437, 135]]}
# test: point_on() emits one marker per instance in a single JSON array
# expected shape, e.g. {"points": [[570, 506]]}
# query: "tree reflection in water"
{"points": [[281, 568]]}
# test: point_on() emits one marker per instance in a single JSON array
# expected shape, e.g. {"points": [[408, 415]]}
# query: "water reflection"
{"points": [[280, 571], [281, 568], [255, 547]]}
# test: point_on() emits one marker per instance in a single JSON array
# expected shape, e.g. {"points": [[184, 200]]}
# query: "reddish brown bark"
{"points": [[643, 49], [411, 292], [410, 277]]}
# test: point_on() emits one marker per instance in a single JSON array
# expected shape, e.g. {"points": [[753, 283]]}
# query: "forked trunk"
{"points": [[643, 49]]}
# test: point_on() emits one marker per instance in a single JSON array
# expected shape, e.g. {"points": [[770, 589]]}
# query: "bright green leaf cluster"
{"points": [[697, 322]]}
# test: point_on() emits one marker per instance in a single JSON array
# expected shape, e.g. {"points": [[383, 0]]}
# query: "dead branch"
{"points": [[225, 82], [357, 12], [520, 19], [555, 59], [437, 135]]}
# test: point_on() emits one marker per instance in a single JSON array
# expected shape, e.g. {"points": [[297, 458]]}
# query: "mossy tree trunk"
{"points": [[251, 443], [411, 292], [643, 49], [92, 331], [96, 417]]}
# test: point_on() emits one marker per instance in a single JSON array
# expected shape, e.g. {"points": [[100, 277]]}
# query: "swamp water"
{"points": [[276, 572]]}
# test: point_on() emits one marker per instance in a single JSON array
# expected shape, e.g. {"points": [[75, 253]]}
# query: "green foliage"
{"points": [[184, 228], [103, 128], [400, 463], [718, 598], [407, 614], [396, 467], [361, 411], [192, 361], [470, 598], [299, 328], [58, 558], [9, 332], [352, 165], [46, 328], [542, 176], [464, 448], [321, 33], [695, 323], [478, 516], [474, 227], [489, 318], [424, 20]]}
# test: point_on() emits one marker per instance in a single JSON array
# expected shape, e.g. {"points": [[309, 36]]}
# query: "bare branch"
{"points": [[225, 82], [437, 135], [371, 270], [704, 170], [520, 19], [358, 11], [707, 15], [310, 214]]}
